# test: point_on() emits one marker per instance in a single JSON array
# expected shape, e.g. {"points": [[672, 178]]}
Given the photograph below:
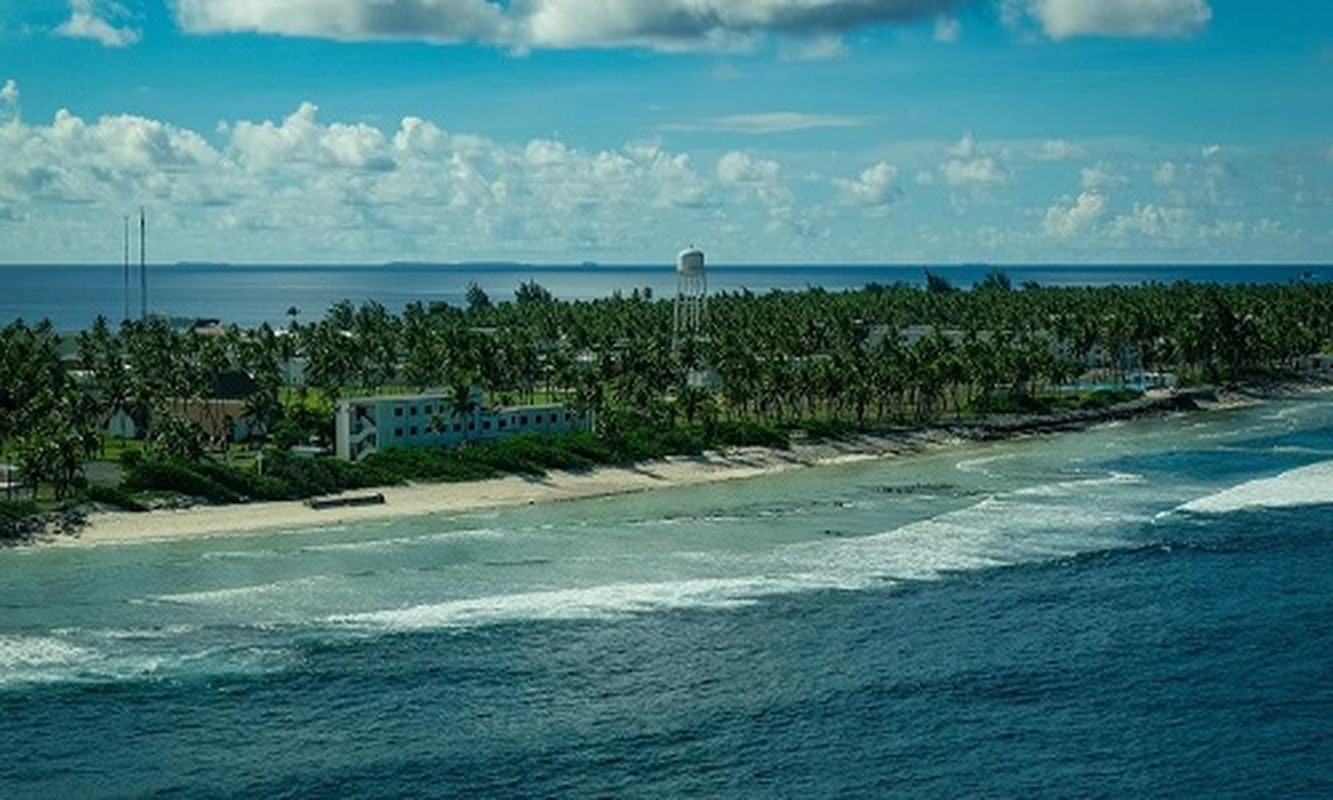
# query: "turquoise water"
{"points": [[1037, 617]]}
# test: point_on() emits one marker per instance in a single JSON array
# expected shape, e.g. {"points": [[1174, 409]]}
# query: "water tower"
{"points": [[691, 295]]}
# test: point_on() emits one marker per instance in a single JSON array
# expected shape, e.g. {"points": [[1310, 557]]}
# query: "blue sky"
{"points": [[813, 131]]}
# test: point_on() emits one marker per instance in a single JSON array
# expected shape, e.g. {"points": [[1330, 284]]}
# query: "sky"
{"points": [[620, 131]]}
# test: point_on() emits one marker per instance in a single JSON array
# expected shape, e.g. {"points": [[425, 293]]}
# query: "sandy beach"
{"points": [[735, 464], [455, 498]]}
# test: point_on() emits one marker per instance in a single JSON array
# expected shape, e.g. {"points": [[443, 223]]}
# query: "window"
{"points": [[504, 423], [398, 432], [398, 412], [472, 426], [523, 420], [430, 410], [457, 427], [413, 412], [486, 425], [568, 416], [414, 430], [538, 420]]}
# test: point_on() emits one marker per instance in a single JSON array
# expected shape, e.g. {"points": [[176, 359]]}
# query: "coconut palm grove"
{"points": [[764, 370]]}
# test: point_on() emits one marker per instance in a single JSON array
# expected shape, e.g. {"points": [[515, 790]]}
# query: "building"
{"points": [[222, 416], [367, 425]]}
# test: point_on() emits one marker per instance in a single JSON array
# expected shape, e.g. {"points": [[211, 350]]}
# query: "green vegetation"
{"points": [[13, 515], [114, 496], [815, 363]]}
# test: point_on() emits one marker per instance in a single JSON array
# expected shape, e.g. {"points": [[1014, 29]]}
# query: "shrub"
{"points": [[14, 515], [114, 496], [753, 434], [174, 476]]}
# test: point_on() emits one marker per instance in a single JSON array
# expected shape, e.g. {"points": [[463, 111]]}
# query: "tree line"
{"points": [[881, 355]]}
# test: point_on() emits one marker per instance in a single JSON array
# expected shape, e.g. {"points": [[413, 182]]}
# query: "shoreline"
{"points": [[426, 499]]}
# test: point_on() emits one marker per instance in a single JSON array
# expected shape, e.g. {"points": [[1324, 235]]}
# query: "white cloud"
{"points": [[738, 167], [1101, 176], [1204, 178], [301, 188], [965, 148], [970, 168], [1056, 150], [1064, 19], [1152, 222], [1166, 174], [663, 24], [821, 48], [307, 188], [9, 101], [876, 187], [302, 139], [90, 19], [977, 173], [1071, 217]]}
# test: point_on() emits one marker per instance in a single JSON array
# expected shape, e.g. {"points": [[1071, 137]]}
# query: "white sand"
{"points": [[455, 498]]}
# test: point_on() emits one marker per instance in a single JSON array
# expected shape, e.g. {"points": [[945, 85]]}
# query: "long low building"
{"points": [[366, 425]]}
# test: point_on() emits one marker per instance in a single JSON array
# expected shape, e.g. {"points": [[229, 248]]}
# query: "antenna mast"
{"points": [[143, 268], [126, 219]]}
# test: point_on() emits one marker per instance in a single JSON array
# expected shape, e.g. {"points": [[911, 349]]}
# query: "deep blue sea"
{"points": [[72, 296], [1143, 609]]}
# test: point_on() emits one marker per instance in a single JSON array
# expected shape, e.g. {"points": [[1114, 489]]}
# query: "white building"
{"points": [[366, 425]]}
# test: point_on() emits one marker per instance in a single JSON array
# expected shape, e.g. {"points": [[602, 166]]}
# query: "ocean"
{"points": [[72, 296], [1140, 609]]}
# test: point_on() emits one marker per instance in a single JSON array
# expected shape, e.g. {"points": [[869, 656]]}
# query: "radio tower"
{"points": [[143, 267], [126, 219]]}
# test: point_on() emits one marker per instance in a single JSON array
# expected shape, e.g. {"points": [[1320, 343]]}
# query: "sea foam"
{"points": [[1306, 486], [594, 602]]}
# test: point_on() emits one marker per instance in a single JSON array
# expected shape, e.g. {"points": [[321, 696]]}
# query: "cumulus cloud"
{"points": [[1056, 150], [1101, 176], [1153, 222], [1195, 181], [876, 188], [301, 188], [758, 178], [1064, 19], [301, 138], [663, 24], [9, 101], [1166, 174], [91, 19], [1071, 217], [969, 168]]}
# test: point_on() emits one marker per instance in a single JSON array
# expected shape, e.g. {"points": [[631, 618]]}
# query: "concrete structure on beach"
{"points": [[369, 424]]}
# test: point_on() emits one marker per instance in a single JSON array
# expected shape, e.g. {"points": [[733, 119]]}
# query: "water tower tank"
{"points": [[690, 262]]}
